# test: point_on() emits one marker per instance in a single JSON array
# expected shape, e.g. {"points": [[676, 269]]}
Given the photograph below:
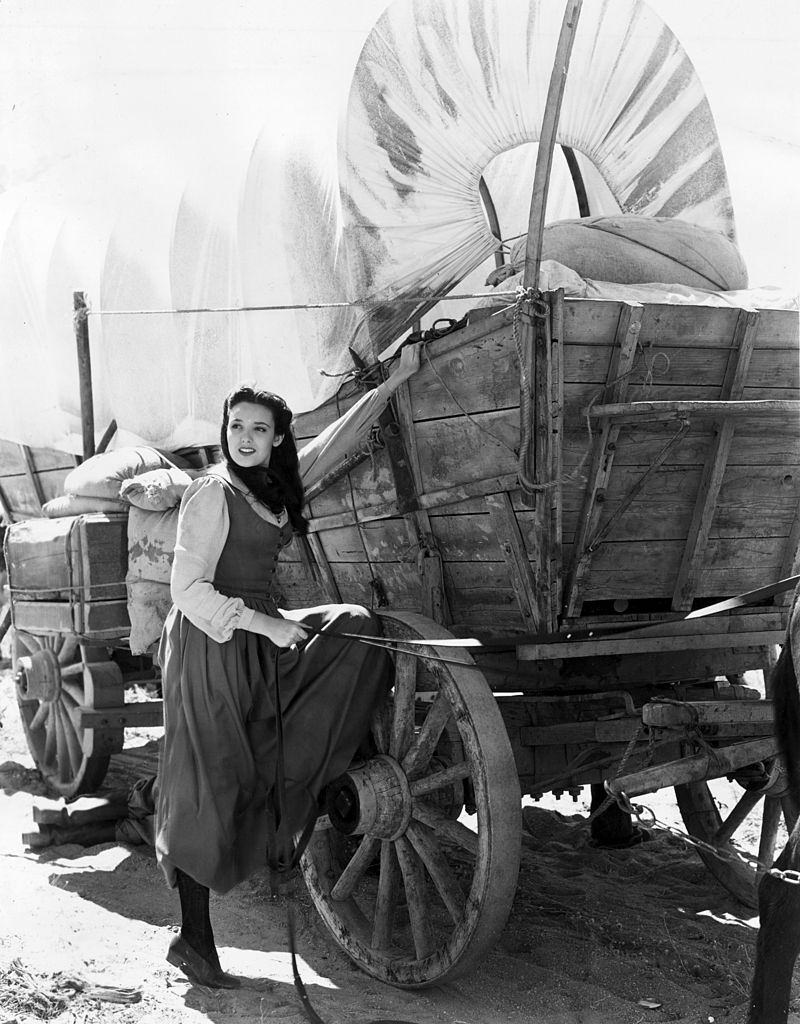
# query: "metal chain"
{"points": [[646, 817], [625, 758]]}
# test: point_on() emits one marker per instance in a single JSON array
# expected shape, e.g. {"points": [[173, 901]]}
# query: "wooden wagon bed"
{"points": [[665, 458]]}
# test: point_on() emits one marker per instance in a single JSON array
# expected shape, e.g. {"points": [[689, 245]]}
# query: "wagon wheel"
{"points": [[55, 678], [410, 892], [764, 798]]}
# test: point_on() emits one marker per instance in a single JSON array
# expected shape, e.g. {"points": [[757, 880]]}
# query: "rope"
{"points": [[610, 799], [356, 303], [525, 398]]}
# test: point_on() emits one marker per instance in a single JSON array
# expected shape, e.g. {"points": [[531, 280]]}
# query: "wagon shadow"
{"points": [[656, 903], [647, 915], [251, 934]]}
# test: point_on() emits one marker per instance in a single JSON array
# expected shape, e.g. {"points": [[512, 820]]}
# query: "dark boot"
{"points": [[193, 951]]}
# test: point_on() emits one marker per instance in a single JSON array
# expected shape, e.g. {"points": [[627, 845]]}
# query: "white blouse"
{"points": [[203, 520]]}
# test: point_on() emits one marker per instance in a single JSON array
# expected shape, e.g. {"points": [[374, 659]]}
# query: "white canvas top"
{"points": [[207, 156]]}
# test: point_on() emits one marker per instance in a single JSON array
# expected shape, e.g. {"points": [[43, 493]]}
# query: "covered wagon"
{"points": [[586, 501]]}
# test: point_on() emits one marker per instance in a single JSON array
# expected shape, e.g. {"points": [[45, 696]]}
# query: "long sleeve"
{"points": [[202, 530], [341, 438]]}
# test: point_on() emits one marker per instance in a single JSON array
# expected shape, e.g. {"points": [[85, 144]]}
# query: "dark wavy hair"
{"points": [[278, 485]]}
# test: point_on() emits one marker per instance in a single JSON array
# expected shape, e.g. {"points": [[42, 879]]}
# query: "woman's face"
{"points": [[251, 434]]}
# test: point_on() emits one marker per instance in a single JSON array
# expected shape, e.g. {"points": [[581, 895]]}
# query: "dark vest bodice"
{"points": [[249, 559]]}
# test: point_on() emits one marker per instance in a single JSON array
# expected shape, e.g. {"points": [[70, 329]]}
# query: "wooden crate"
{"points": [[67, 575]]}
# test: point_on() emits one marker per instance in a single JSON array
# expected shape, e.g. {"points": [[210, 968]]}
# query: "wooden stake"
{"points": [[105, 440], [81, 323]]}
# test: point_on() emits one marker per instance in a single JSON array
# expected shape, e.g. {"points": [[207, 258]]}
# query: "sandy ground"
{"points": [[595, 936]]}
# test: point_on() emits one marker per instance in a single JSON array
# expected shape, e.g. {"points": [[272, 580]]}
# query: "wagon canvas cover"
{"points": [[208, 157]]}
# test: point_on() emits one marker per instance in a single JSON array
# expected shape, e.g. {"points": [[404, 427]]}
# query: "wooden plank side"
{"points": [[434, 603], [591, 322], [672, 522], [611, 647], [790, 563], [476, 364], [684, 366], [626, 341], [742, 486], [327, 578], [20, 496], [42, 459], [520, 565], [638, 583], [459, 538], [753, 444], [715, 466]]}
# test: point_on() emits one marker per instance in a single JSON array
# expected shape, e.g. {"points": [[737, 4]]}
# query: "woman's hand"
{"points": [[282, 632], [407, 367]]}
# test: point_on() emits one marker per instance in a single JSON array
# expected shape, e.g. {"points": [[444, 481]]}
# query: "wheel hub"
{"points": [[39, 676], [374, 799]]}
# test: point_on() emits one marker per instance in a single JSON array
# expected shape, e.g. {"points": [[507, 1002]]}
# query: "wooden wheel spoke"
{"points": [[29, 642], [50, 736], [769, 831], [388, 886], [73, 690], [62, 750], [790, 812], [53, 728], [421, 750], [405, 688], [416, 897], [441, 779], [66, 652], [71, 741], [381, 727], [453, 831], [433, 857], [746, 803], [356, 867], [40, 717]]}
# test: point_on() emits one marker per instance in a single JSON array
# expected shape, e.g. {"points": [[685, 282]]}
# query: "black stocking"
{"points": [[195, 917]]}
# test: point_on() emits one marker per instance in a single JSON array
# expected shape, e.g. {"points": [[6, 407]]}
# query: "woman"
{"points": [[224, 643]]}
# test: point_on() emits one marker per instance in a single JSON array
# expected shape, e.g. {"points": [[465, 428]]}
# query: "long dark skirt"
{"points": [[218, 767]]}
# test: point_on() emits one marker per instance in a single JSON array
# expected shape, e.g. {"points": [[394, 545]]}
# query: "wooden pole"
{"points": [[547, 141], [81, 323], [529, 471], [105, 440]]}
